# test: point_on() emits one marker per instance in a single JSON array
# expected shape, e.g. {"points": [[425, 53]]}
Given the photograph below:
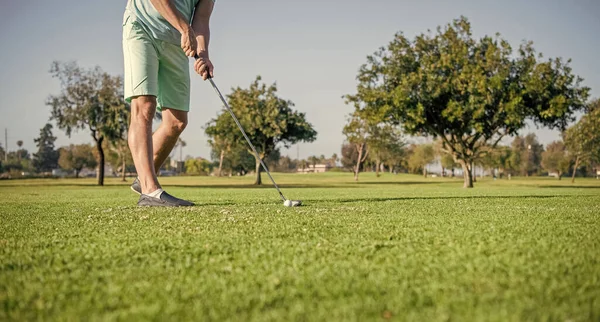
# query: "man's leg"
{"points": [[165, 137], [142, 151], [140, 141]]}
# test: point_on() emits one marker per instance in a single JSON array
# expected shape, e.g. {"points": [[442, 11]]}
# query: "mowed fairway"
{"points": [[395, 247]]}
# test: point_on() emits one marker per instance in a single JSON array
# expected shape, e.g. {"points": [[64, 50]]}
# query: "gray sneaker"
{"points": [[165, 200], [136, 187]]}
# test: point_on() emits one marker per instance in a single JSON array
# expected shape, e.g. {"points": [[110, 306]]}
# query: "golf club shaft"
{"points": [[245, 136]]}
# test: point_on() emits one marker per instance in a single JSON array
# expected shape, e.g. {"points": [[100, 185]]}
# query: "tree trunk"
{"points": [[575, 169], [473, 175], [443, 172], [357, 166], [377, 166], [425, 171], [258, 180], [452, 172], [467, 174], [559, 175], [221, 162], [100, 174], [123, 168], [77, 173]]}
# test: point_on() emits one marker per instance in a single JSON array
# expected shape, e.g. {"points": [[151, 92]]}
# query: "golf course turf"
{"points": [[397, 247]]}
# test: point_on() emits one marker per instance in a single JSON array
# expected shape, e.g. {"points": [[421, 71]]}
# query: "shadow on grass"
{"points": [[308, 202], [571, 187], [441, 198]]}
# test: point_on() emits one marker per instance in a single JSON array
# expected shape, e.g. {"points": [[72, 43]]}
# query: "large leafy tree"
{"points": [[469, 92], [91, 100], [556, 158], [269, 121], [46, 158], [583, 139]]}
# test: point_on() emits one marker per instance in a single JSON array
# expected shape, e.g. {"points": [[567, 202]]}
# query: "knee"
{"points": [[177, 125], [143, 109]]}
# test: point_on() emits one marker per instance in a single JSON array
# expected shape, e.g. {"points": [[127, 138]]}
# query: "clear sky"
{"points": [[312, 49]]}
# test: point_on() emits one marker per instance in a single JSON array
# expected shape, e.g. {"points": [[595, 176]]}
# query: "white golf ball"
{"points": [[287, 203]]}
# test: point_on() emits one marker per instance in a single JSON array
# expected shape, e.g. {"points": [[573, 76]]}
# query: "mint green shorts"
{"points": [[154, 67]]}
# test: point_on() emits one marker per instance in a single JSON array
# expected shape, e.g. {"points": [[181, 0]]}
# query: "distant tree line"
{"points": [[464, 95]]}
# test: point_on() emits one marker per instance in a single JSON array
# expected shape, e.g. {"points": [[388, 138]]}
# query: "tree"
{"points": [[533, 157], [313, 160], [333, 160], [397, 158], [118, 155], [526, 154], [470, 93], [198, 167], [556, 159], [124, 157], [447, 162], [268, 120], [240, 160], [76, 157], [19, 144], [46, 158], [222, 142], [285, 164], [384, 140], [2, 158], [583, 139], [349, 156], [89, 99], [423, 154], [20, 155], [181, 144], [303, 165], [357, 134]]}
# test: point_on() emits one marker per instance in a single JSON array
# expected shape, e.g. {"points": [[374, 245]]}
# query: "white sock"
{"points": [[156, 193]]}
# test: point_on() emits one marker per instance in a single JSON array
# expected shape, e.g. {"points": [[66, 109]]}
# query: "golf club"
{"points": [[286, 202]]}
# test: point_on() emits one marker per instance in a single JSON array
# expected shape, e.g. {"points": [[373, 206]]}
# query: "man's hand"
{"points": [[203, 65], [188, 42]]}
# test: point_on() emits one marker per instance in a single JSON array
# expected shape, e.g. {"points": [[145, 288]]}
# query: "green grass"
{"points": [[396, 247]]}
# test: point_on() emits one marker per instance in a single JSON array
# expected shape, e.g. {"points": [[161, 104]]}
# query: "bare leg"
{"points": [[140, 141], [165, 137]]}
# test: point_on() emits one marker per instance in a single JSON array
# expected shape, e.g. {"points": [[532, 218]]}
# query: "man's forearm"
{"points": [[201, 23], [171, 14], [202, 35]]}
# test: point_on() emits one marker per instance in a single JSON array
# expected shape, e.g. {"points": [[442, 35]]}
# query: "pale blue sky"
{"points": [[312, 49]]}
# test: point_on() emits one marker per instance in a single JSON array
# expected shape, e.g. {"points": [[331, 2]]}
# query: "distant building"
{"points": [[318, 168], [553, 174]]}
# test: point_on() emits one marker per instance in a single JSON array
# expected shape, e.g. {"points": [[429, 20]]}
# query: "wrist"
{"points": [[185, 29]]}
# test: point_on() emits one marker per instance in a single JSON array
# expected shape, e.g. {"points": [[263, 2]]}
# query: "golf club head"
{"points": [[292, 203]]}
